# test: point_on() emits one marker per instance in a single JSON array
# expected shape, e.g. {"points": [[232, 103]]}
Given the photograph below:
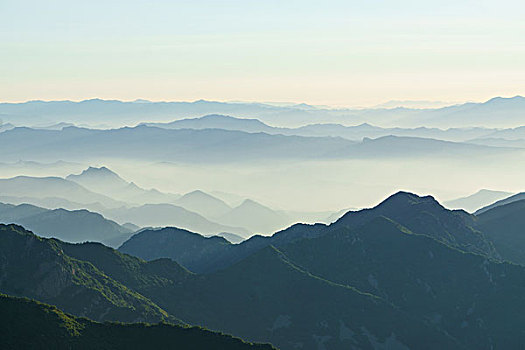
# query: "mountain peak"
{"points": [[250, 203], [403, 198], [196, 193], [102, 171], [100, 178]]}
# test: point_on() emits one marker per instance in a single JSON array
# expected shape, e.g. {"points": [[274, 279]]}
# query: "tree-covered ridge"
{"points": [[407, 274], [39, 268], [28, 324]]}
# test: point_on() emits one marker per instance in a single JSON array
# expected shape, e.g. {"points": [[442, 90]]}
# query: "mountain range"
{"points": [[354, 133], [476, 201], [70, 226], [497, 112], [103, 191], [406, 273], [218, 146], [514, 198], [256, 299], [103, 180]]}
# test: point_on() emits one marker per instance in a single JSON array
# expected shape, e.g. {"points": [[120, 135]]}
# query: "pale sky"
{"points": [[340, 53]]}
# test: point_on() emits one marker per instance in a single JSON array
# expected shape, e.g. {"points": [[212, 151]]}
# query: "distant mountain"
{"points": [[255, 217], [477, 200], [23, 319], [216, 121], [4, 127], [98, 179], [336, 216], [57, 126], [37, 268], [103, 180], [499, 142], [204, 204], [156, 144], [155, 215], [509, 134], [32, 168], [394, 146], [70, 226], [498, 112], [414, 104], [54, 187], [230, 237], [131, 227], [356, 132], [508, 200], [53, 203]]}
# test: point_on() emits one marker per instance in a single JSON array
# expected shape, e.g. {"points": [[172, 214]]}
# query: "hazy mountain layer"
{"points": [[156, 215], [103, 180], [53, 187], [356, 132], [477, 200], [216, 146], [496, 112], [508, 200], [70, 226]]}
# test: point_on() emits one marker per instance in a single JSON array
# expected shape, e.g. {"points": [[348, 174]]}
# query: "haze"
{"points": [[338, 53]]}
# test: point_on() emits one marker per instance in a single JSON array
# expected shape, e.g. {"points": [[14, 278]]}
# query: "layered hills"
{"points": [[70, 226], [407, 273], [27, 324]]}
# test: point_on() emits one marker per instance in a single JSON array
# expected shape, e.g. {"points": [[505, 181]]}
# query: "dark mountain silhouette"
{"points": [[28, 324], [271, 302], [187, 248], [37, 268], [422, 215], [267, 296], [504, 226], [448, 287], [407, 272]]}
